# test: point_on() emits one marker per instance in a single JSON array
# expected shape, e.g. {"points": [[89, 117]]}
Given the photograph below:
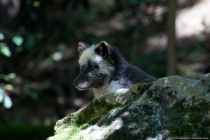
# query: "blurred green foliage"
{"points": [[5, 99], [27, 90], [4, 88], [4, 49]]}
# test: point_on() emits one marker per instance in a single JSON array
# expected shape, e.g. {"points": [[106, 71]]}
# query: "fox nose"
{"points": [[75, 83]]}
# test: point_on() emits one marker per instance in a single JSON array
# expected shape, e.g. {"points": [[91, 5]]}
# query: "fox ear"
{"points": [[103, 49], [82, 46]]}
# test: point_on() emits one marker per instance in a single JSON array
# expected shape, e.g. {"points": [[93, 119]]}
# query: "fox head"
{"points": [[96, 65]]}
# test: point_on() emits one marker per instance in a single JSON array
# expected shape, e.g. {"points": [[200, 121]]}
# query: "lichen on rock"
{"points": [[173, 106]]}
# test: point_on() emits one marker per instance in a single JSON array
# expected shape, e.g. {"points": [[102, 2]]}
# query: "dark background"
{"points": [[39, 59]]}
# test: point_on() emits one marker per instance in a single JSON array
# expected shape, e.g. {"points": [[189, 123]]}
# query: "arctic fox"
{"points": [[104, 70]]}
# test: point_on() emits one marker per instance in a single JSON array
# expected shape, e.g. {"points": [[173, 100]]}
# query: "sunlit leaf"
{"points": [[9, 87], [9, 76], [1, 95], [1, 36], [1, 98], [57, 56], [18, 40], [7, 102], [5, 50], [36, 4]]}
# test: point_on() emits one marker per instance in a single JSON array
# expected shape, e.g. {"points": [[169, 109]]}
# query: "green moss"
{"points": [[193, 121], [68, 127], [140, 88], [91, 113], [69, 132]]}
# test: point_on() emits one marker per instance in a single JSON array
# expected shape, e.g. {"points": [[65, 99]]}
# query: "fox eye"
{"points": [[93, 67]]}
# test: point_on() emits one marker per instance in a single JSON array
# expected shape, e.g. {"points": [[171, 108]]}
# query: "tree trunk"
{"points": [[171, 46]]}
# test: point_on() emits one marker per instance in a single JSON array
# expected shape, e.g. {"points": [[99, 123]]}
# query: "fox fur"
{"points": [[104, 70]]}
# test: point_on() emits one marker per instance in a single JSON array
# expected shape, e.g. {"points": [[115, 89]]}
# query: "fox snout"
{"points": [[81, 81], [75, 83]]}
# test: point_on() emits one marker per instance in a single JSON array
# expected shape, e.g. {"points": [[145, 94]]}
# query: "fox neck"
{"points": [[121, 85], [108, 88]]}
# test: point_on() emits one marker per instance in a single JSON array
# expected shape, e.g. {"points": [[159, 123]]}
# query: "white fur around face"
{"points": [[114, 86], [88, 54], [84, 84], [98, 59]]}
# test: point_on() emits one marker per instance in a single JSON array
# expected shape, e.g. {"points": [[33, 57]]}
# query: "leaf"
{"points": [[30, 41], [34, 95], [5, 50], [18, 40], [9, 76], [1, 95], [27, 90], [62, 47], [9, 87], [1, 36], [57, 56], [7, 102], [36, 4], [19, 49]]}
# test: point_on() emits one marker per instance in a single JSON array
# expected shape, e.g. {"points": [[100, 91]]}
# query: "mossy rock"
{"points": [[173, 106]]}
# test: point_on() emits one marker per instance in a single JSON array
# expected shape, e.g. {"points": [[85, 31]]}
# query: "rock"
{"points": [[171, 107]]}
